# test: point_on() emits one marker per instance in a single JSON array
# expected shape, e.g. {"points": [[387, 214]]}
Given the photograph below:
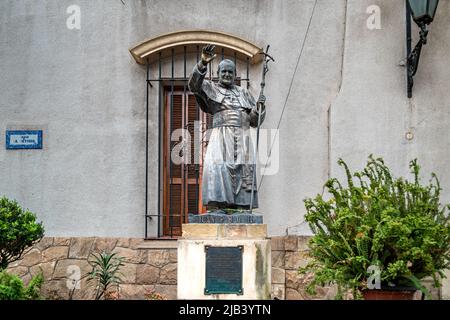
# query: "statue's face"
{"points": [[227, 73]]}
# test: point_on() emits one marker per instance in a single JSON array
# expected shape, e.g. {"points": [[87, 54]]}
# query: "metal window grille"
{"points": [[173, 205]]}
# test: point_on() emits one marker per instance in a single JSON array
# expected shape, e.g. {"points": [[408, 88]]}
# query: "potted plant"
{"points": [[378, 232]]}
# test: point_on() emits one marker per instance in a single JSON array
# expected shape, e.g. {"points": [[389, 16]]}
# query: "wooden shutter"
{"points": [[172, 172], [182, 183]]}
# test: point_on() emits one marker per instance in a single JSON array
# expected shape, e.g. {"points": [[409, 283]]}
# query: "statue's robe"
{"points": [[229, 161]]}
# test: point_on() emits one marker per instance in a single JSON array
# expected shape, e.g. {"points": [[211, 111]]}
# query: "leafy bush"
{"points": [[18, 231], [105, 273], [394, 224], [12, 287]]}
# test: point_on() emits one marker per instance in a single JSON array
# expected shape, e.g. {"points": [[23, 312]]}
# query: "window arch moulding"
{"points": [[231, 44]]}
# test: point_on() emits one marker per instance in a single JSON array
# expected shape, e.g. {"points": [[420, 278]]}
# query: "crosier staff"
{"points": [[267, 59]]}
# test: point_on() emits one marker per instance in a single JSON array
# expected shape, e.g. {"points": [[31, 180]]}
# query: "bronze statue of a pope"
{"points": [[229, 164]]}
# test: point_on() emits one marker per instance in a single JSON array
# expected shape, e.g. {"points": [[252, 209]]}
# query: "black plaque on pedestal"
{"points": [[223, 270]]}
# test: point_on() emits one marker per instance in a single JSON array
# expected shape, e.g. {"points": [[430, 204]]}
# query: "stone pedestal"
{"points": [[256, 259]]}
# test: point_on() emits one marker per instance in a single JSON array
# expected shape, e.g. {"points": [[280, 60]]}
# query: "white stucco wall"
{"points": [[82, 87], [371, 116]]}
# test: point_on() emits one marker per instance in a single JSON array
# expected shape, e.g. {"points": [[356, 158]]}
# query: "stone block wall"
{"points": [[151, 267], [288, 254], [148, 267]]}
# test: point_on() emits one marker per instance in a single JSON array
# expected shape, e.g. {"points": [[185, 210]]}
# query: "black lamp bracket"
{"points": [[414, 57]]}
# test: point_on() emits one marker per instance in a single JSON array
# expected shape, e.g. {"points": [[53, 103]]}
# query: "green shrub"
{"points": [[12, 287], [396, 225], [18, 231]]}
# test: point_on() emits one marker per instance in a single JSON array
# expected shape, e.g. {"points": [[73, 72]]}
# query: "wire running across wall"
{"points": [[288, 94]]}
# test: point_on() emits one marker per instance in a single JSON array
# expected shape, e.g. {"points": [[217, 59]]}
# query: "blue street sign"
{"points": [[23, 139]]}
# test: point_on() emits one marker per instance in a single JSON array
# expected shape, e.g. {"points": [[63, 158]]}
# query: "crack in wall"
{"points": [[341, 76], [341, 80]]}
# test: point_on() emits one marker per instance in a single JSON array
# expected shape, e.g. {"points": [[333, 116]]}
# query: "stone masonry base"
{"points": [[150, 266]]}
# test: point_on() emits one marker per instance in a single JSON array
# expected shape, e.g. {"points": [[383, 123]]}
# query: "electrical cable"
{"points": [[289, 92]]}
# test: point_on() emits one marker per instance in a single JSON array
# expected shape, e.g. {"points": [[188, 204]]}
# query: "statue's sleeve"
{"points": [[196, 85], [254, 114], [196, 79]]}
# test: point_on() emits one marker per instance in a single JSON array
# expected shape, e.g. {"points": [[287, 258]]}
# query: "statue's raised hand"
{"points": [[208, 54]]}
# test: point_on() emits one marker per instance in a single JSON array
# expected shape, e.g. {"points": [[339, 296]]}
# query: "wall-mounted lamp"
{"points": [[422, 12]]}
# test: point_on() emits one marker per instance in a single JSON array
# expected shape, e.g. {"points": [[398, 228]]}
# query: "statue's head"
{"points": [[226, 72]]}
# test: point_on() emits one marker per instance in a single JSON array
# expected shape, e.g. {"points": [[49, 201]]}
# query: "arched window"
{"points": [[169, 60]]}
